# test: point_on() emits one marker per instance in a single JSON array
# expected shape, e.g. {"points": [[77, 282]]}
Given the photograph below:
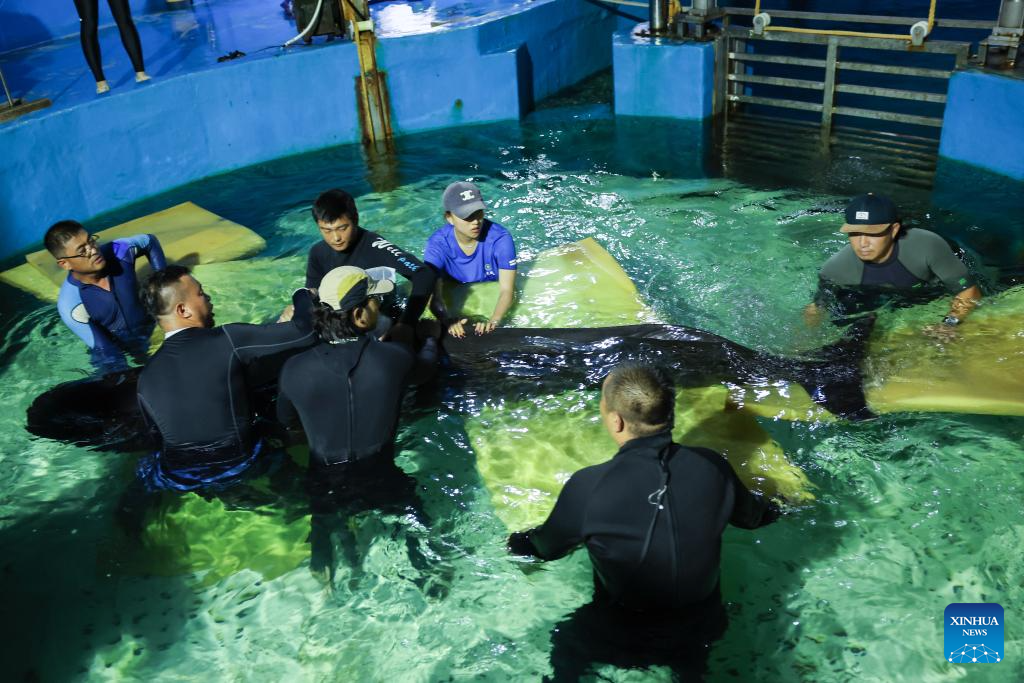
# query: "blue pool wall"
{"points": [[984, 124], [94, 157], [660, 77]]}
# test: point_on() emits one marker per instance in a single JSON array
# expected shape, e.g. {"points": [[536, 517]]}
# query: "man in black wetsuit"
{"points": [[347, 391], [197, 390], [652, 519], [883, 257], [345, 243]]}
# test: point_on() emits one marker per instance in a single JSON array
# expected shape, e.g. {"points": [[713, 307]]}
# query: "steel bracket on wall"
{"points": [[371, 84]]}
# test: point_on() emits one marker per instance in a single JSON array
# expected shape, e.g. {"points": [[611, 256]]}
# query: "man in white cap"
{"points": [[470, 248], [346, 392]]}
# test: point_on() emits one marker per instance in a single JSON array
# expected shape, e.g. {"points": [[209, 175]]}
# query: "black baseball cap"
{"points": [[871, 214]]}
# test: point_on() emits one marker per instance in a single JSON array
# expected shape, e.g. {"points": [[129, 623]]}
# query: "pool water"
{"points": [[912, 511]]}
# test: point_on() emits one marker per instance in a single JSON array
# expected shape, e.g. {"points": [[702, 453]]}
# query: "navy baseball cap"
{"points": [[871, 214], [463, 199]]}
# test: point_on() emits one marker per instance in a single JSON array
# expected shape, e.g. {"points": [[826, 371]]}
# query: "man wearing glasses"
{"points": [[884, 256], [99, 300]]}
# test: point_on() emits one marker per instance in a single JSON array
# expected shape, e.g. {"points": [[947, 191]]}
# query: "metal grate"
{"points": [[773, 72]]}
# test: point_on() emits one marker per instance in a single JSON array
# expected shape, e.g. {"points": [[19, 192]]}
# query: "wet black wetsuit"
{"points": [[196, 392], [347, 397], [88, 13], [370, 250], [661, 563]]}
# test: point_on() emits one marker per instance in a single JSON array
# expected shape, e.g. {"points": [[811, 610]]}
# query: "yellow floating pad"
{"points": [[981, 371], [189, 534], [573, 285], [189, 235], [527, 451]]}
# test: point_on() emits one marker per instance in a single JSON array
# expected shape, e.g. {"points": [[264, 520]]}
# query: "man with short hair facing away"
{"points": [[651, 519], [345, 243], [347, 392], [471, 248], [99, 299], [197, 390], [883, 255]]}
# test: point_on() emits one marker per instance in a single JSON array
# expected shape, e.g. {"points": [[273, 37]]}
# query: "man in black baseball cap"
{"points": [[883, 255]]}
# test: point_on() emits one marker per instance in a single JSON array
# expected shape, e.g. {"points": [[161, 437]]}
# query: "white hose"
{"points": [[312, 22]]}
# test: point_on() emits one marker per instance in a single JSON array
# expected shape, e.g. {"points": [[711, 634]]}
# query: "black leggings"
{"points": [[88, 12]]}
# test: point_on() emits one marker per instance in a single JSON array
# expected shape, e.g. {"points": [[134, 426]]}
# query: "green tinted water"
{"points": [[913, 511]]}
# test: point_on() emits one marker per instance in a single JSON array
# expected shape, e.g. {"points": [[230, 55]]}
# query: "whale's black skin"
{"points": [[539, 358], [513, 362]]}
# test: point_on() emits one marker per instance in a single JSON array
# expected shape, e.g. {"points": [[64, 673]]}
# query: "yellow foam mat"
{"points": [[573, 285], [981, 371], [527, 451], [189, 235]]}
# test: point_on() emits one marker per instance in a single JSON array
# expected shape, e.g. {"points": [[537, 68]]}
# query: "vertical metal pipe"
{"points": [[659, 15], [7, 92], [1011, 14]]}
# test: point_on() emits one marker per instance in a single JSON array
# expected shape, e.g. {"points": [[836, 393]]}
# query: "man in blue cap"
{"points": [[883, 256]]}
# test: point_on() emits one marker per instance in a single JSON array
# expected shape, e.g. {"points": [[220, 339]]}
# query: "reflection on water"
{"points": [[850, 586]]}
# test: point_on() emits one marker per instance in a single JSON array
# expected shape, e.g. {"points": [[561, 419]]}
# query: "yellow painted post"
{"points": [[371, 86]]}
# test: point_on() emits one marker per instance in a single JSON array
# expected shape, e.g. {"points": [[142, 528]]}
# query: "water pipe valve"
{"points": [[761, 22], [918, 32]]}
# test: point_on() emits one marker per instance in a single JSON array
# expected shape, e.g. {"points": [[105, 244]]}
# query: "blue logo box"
{"points": [[973, 633]]}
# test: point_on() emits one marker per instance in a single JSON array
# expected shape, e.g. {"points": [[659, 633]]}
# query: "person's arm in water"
{"points": [[506, 295], [954, 274], [437, 305], [505, 255], [824, 296], [749, 511], [562, 532]]}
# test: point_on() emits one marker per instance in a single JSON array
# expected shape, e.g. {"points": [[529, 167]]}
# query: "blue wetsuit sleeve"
{"points": [[72, 312], [505, 252], [144, 245]]}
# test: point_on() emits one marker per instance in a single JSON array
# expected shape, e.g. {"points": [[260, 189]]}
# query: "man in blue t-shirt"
{"points": [[99, 300], [470, 248]]}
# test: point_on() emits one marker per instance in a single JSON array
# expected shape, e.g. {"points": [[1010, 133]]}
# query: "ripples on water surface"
{"points": [[912, 511]]}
